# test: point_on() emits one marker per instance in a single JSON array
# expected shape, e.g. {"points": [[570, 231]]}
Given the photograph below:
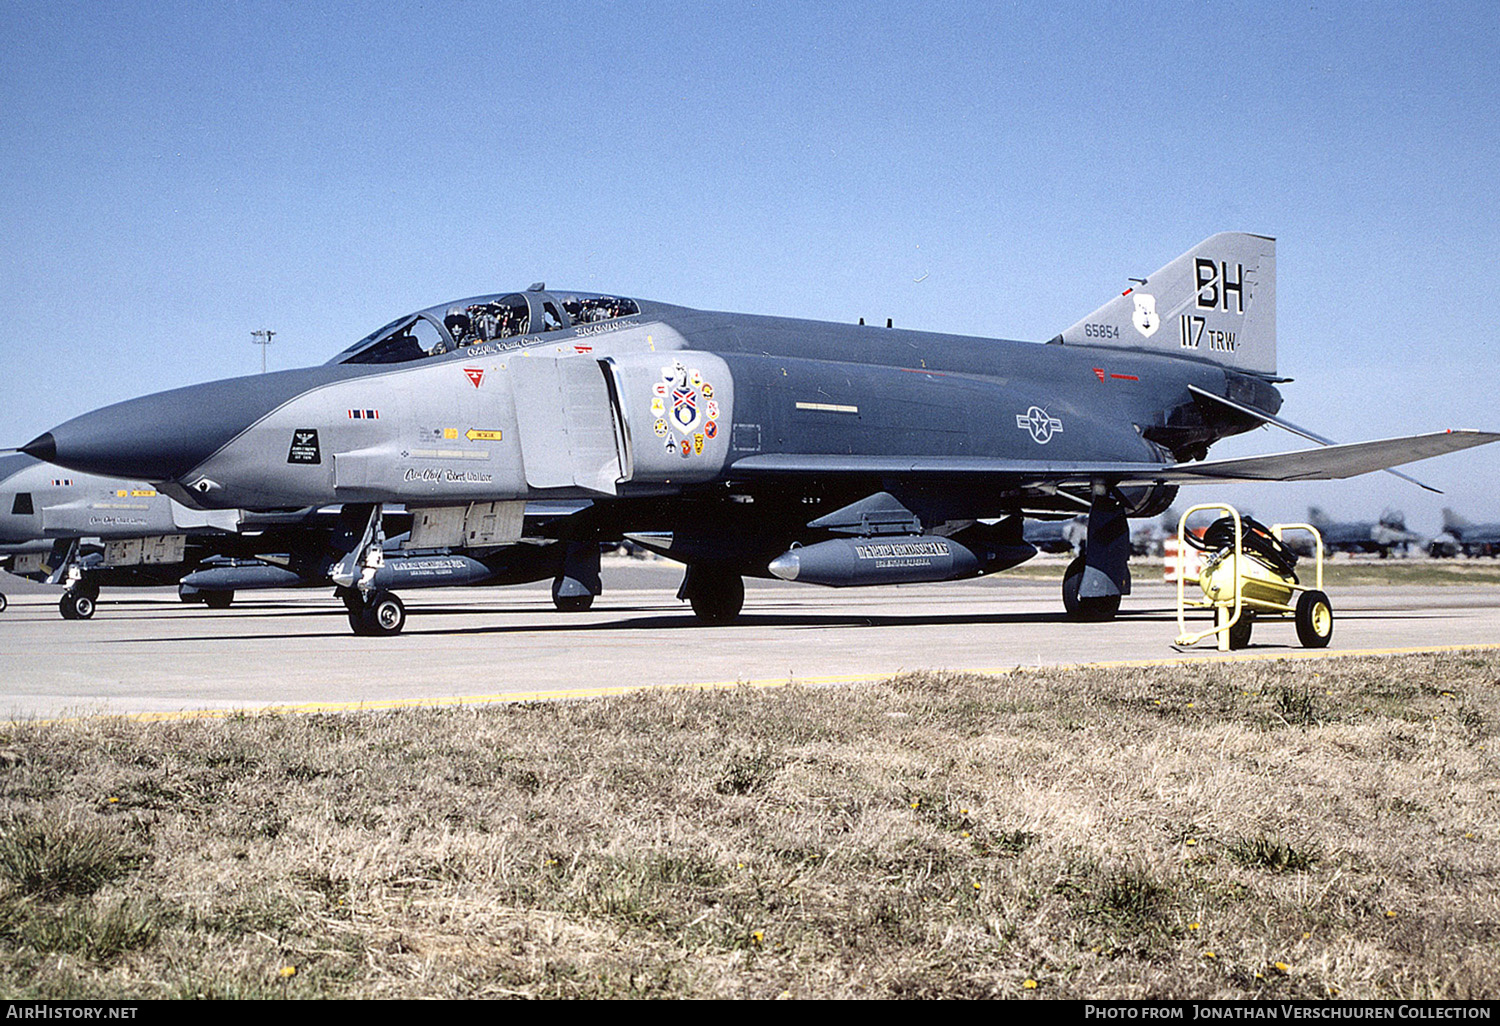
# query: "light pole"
{"points": [[262, 339]]}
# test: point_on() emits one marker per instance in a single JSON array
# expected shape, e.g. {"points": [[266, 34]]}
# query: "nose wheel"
{"points": [[380, 614], [78, 604]]}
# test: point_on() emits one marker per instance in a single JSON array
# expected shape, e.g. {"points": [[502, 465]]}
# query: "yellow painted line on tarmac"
{"points": [[566, 694]]}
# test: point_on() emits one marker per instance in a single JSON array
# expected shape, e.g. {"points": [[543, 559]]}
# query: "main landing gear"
{"points": [[716, 593], [1094, 583], [574, 589]]}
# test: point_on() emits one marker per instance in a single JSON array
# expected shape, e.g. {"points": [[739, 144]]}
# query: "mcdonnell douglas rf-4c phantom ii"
{"points": [[742, 445], [86, 532]]}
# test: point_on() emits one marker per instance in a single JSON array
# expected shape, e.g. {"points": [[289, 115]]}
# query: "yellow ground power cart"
{"points": [[1247, 574]]}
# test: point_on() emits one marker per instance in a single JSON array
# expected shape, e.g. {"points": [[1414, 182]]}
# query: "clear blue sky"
{"points": [[174, 176]]}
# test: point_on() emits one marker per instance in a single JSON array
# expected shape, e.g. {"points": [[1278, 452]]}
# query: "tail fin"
{"points": [[1316, 516], [1452, 520], [1216, 302]]}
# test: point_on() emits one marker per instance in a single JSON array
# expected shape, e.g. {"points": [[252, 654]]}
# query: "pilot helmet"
{"points": [[457, 322]]}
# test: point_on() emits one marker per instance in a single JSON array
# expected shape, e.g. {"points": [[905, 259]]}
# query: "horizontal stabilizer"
{"points": [[1286, 425], [1335, 462]]}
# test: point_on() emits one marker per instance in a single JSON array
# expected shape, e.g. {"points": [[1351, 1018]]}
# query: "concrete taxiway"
{"points": [[146, 653]]}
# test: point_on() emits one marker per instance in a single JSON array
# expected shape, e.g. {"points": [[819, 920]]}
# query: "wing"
{"points": [[1329, 462]]}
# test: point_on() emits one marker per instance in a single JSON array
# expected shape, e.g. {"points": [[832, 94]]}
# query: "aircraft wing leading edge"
{"points": [[1330, 462]]}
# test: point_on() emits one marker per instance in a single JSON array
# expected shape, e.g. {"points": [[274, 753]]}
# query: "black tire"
{"points": [[1088, 609], [716, 596], [218, 599], [382, 616], [76, 605], [1314, 618], [1239, 634], [3, 603], [1072, 579], [569, 603]]}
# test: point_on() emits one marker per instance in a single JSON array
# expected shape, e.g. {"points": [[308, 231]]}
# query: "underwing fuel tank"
{"points": [[424, 571], [899, 559]]}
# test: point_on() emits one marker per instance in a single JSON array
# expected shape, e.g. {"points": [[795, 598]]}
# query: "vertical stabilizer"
{"points": [[1216, 302]]}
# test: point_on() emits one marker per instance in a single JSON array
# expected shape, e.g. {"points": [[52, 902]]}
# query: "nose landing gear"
{"points": [[78, 602], [376, 615]]}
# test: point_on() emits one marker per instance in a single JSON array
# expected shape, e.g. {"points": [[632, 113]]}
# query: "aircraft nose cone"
{"points": [[152, 438], [43, 447], [162, 437]]}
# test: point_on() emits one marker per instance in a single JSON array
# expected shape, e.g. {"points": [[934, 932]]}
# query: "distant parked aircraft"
{"points": [[1384, 536], [1459, 535]]}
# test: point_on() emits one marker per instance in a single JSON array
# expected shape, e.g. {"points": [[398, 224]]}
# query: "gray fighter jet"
{"points": [[86, 533], [1459, 535], [742, 445], [1383, 537]]}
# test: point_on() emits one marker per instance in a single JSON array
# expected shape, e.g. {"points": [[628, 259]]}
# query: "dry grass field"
{"points": [[1301, 829]]}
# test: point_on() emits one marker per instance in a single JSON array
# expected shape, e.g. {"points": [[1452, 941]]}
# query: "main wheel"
{"points": [[1077, 608], [1314, 618], [1072, 579], [569, 603], [716, 596], [3, 603], [382, 616], [76, 605], [218, 599]]}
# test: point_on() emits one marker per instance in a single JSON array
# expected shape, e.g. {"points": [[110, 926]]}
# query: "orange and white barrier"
{"points": [[1187, 564]]}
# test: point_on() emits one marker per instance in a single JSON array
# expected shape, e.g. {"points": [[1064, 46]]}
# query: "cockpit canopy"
{"points": [[505, 320]]}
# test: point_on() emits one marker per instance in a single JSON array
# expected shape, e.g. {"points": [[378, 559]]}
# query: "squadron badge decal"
{"points": [[692, 410]]}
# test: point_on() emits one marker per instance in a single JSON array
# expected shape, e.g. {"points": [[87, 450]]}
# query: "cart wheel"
{"points": [[1314, 619], [1239, 634]]}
